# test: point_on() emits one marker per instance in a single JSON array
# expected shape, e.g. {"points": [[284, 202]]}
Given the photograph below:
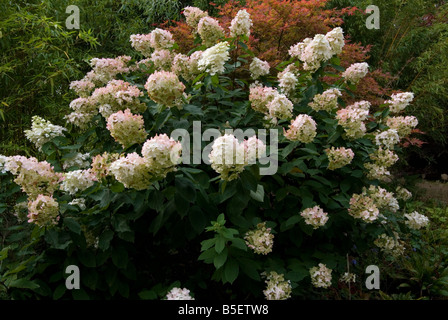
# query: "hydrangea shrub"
{"points": [[144, 211]]}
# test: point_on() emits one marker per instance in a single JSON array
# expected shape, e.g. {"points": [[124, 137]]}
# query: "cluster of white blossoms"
{"points": [[42, 131], [193, 15], [303, 128], [35, 177], [179, 294], [80, 202], [228, 156], [348, 277], [390, 244], [287, 82], [416, 220], [132, 171], [280, 107], [84, 109], [158, 39], [327, 100], [162, 154], [382, 198], [187, 66], [100, 166], [260, 240], [321, 276], [403, 125], [339, 157], [382, 159], [78, 160], [118, 95], [43, 211], [214, 58], [403, 193], [277, 287], [356, 72], [258, 68], [77, 180], [210, 31], [352, 119], [126, 128], [162, 59], [165, 88], [388, 138], [400, 101], [312, 52], [376, 172], [363, 207], [315, 216], [272, 103], [240, 25], [260, 96]]}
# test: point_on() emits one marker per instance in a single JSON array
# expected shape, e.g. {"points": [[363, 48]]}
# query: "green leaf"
{"points": [[239, 243], [231, 270], [87, 258], [207, 244], [104, 239], [248, 180], [59, 291], [73, 225], [220, 244], [120, 257], [117, 187], [220, 259], [186, 189], [259, 194], [23, 284]]}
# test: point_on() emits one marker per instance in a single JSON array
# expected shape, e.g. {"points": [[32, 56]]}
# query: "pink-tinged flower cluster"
{"points": [[321, 276], [162, 154], [100, 166], [351, 119], [213, 59], [315, 216], [390, 244], [126, 128], [33, 176], [160, 39], [356, 72], [376, 172], [42, 131], [287, 82], [277, 287], [142, 43], [193, 15], [400, 101], [227, 157], [403, 193], [83, 112], [254, 149], [312, 52], [162, 59], [416, 220], [303, 128], [241, 24], [43, 211], [132, 171], [118, 95], [383, 199], [339, 157], [187, 66], [384, 157], [77, 180], [165, 88], [83, 87], [210, 31], [327, 100], [403, 125], [388, 138], [258, 68], [363, 207], [107, 69], [260, 97], [179, 294], [260, 240]]}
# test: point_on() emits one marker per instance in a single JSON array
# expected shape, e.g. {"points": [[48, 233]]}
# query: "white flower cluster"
{"points": [[260, 240], [403, 125], [339, 157], [400, 101], [214, 58], [193, 15], [303, 128], [210, 31], [126, 128], [312, 52], [77, 160], [416, 220], [77, 180], [179, 294], [351, 119], [383, 199], [363, 207], [321, 276], [388, 138], [42, 131], [277, 287], [315, 216], [240, 25], [327, 100], [403, 193], [165, 88], [43, 211], [228, 156], [390, 244], [258, 68], [132, 171], [356, 72], [348, 277], [187, 66]]}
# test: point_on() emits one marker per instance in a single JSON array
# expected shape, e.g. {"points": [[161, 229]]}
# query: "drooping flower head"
{"points": [[327, 100], [132, 171], [356, 72], [400, 101], [193, 15]]}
